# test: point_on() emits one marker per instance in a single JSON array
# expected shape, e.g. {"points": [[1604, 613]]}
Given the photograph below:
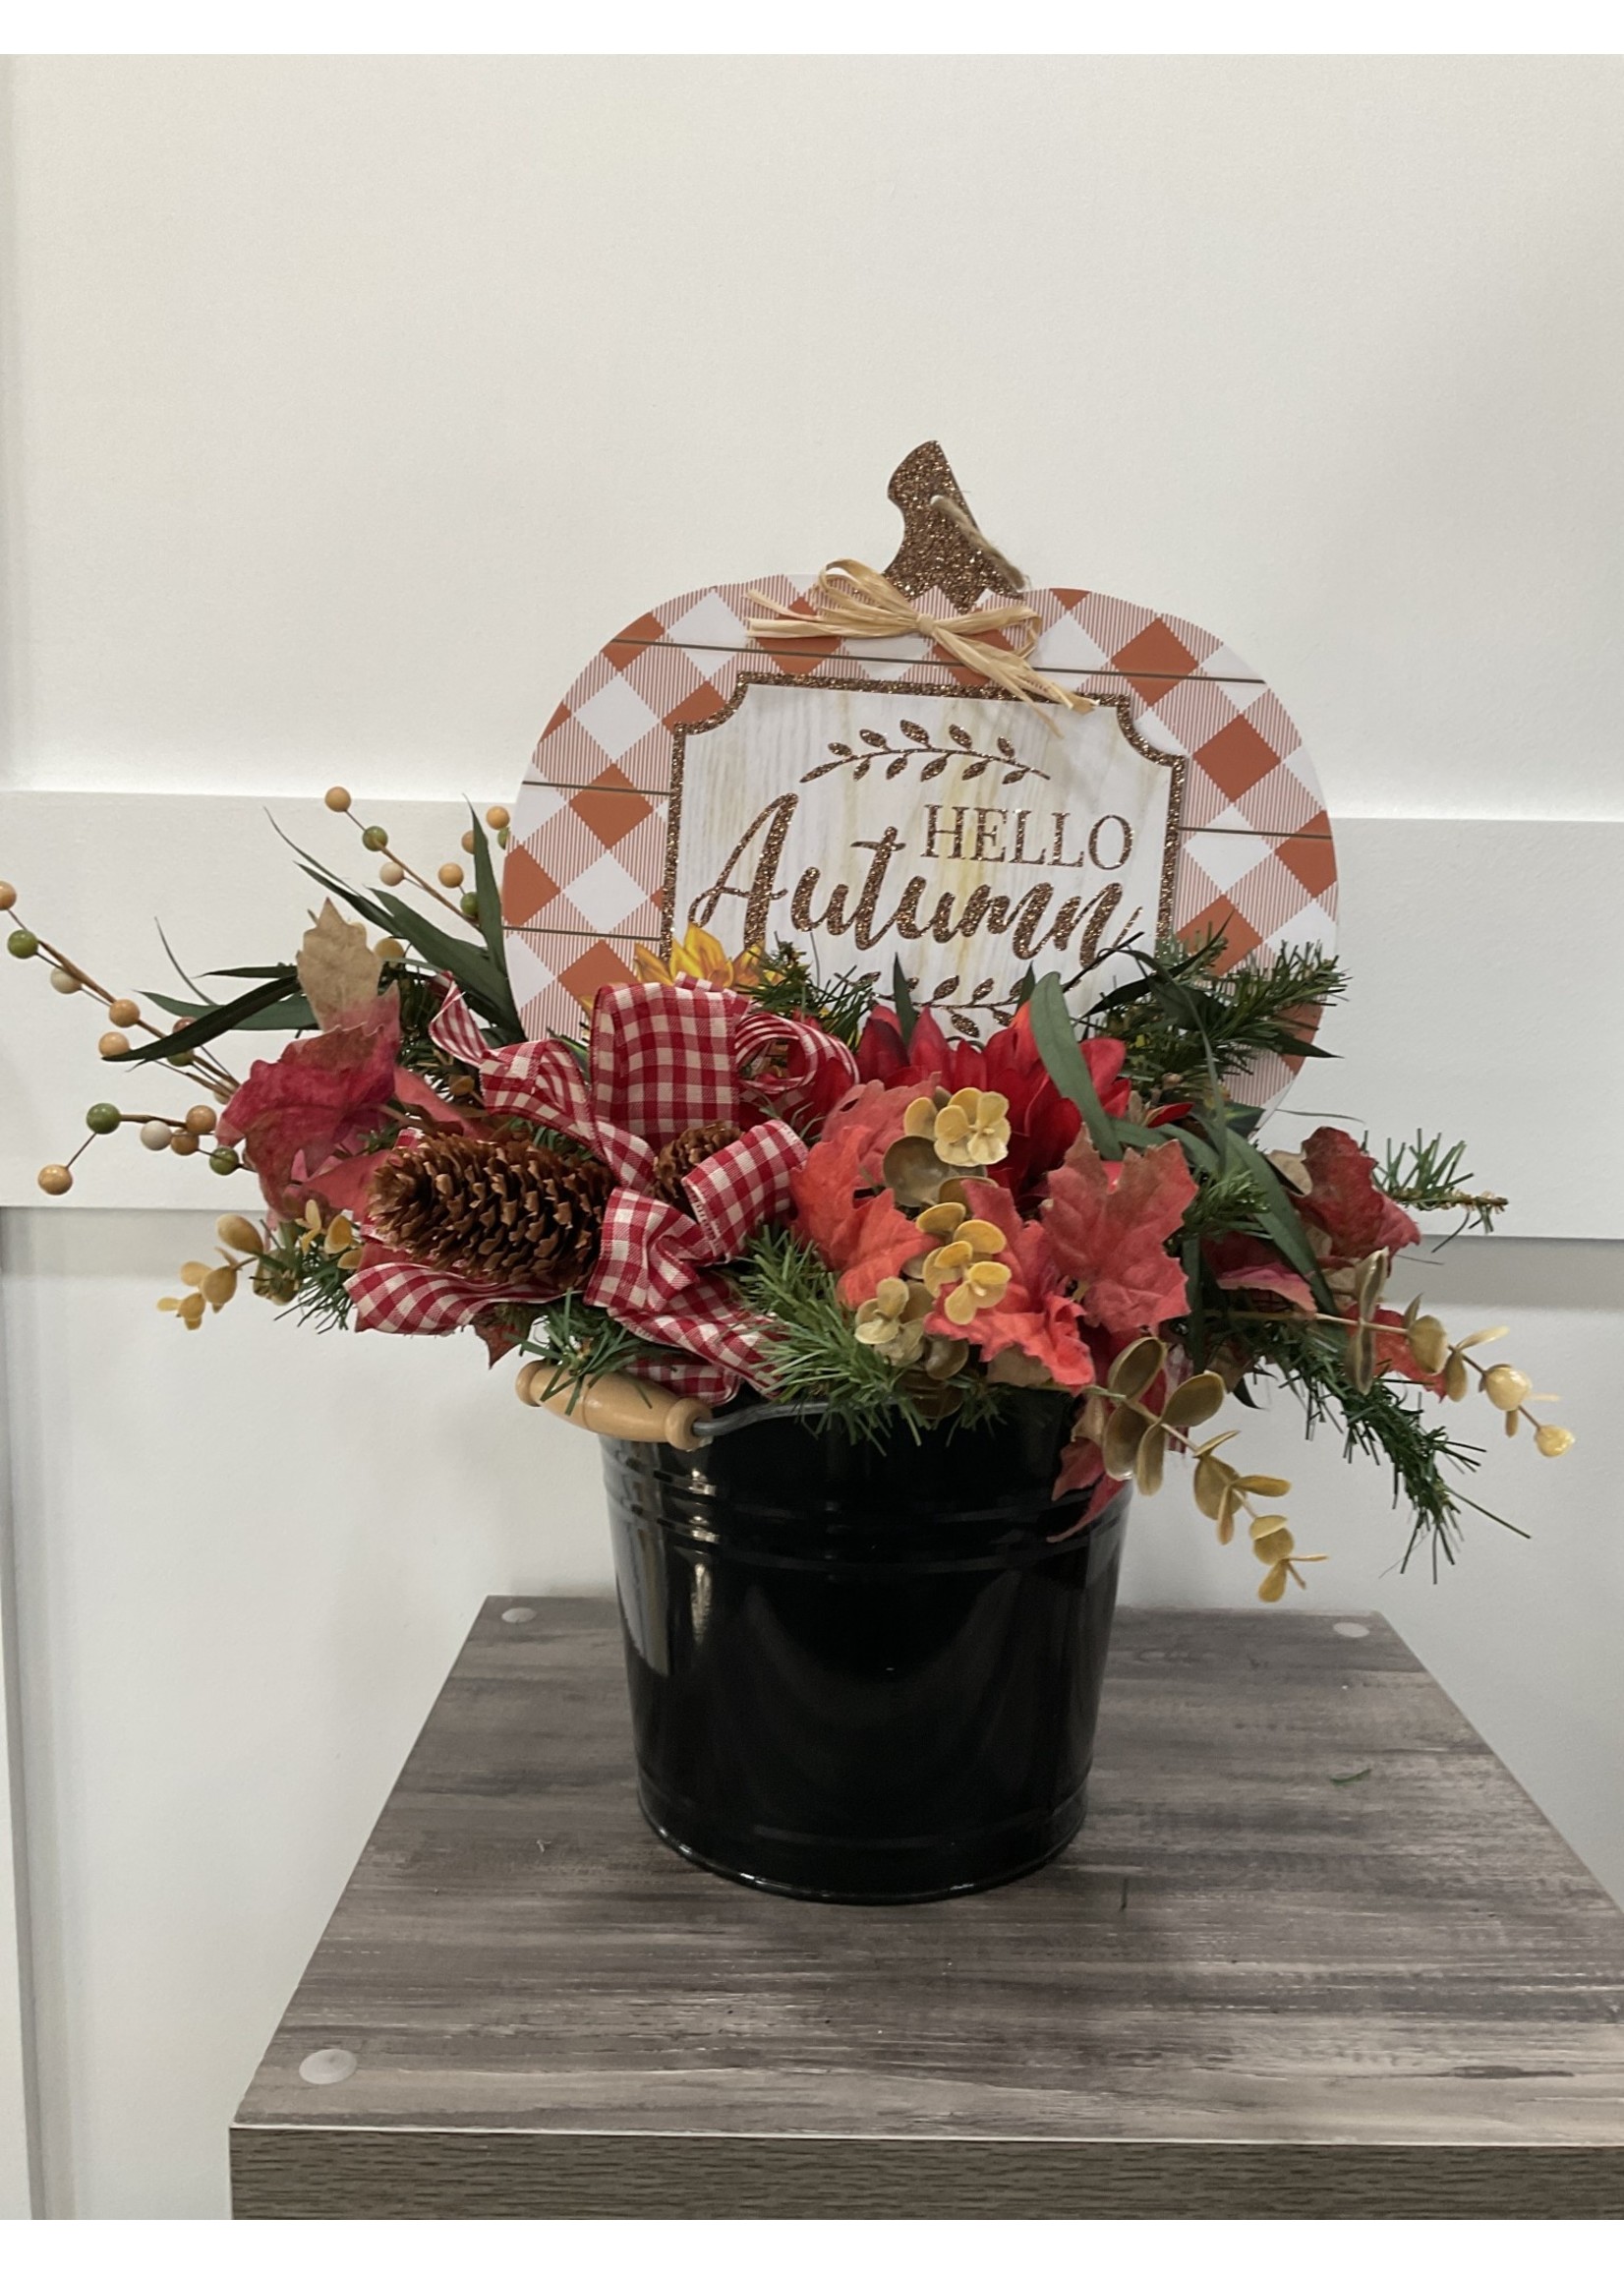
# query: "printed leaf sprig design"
{"points": [[937, 757]]}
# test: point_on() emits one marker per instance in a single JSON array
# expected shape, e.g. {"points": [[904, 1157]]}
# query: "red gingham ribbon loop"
{"points": [[542, 1081], [455, 1029], [785, 1064], [663, 1060], [653, 1262], [662, 1057], [395, 1296]]}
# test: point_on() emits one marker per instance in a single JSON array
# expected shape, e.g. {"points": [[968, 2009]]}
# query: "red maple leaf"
{"points": [[864, 1240], [874, 1114], [1108, 1225], [1345, 1203], [320, 1097], [1238, 1259]]}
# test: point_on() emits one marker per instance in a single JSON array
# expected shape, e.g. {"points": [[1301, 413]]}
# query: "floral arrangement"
{"points": [[743, 1181]]}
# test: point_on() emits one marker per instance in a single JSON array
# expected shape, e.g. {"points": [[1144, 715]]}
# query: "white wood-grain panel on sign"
{"points": [[965, 836]]}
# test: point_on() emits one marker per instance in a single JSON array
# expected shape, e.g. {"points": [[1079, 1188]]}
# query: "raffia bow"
{"points": [[855, 602]]}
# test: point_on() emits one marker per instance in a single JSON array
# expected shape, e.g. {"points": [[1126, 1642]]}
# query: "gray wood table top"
{"points": [[1315, 1954]]}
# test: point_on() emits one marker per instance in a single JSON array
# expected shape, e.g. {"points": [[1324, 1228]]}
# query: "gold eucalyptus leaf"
{"points": [[1369, 1279], [1274, 1584], [913, 1172], [218, 1286], [1133, 1369], [1266, 1488], [1147, 1467], [1120, 1446], [1215, 1487], [1429, 1340], [1194, 1401], [1506, 1386], [1457, 1378]]}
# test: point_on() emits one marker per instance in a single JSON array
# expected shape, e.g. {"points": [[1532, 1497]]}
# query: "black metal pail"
{"points": [[863, 1674]]}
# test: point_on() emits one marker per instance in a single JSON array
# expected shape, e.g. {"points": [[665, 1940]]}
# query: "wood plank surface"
{"points": [[1249, 1987]]}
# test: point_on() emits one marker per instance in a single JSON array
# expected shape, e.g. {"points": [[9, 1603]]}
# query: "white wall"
{"points": [[348, 407]]}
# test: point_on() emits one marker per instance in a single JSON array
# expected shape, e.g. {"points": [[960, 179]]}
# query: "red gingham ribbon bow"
{"points": [[663, 1060]]}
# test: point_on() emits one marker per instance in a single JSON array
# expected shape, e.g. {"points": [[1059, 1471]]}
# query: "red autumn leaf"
{"points": [[1109, 1232], [1034, 1314], [1345, 1203], [320, 1097], [874, 1115], [1081, 1465], [1239, 1261], [863, 1241]]}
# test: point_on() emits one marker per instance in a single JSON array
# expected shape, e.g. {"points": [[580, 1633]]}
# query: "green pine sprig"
{"points": [[1432, 1179]]}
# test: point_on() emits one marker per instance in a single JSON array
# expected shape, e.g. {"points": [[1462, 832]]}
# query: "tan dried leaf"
{"points": [[1294, 1168], [337, 970]]}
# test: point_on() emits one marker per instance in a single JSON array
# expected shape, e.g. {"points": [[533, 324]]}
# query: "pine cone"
{"points": [[498, 1209], [684, 1153]]}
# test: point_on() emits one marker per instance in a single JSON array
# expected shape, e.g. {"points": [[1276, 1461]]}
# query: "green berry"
{"points": [[22, 942], [102, 1120], [222, 1160], [375, 839], [469, 907]]}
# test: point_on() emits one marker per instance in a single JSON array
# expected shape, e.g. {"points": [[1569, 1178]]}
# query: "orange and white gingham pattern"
{"points": [[584, 880]]}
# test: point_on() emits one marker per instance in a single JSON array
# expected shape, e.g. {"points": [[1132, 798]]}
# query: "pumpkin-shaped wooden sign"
{"points": [[908, 781]]}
